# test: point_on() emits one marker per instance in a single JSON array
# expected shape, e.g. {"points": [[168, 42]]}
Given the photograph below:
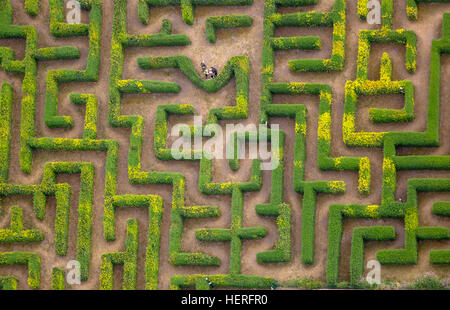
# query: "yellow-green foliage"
{"points": [[364, 176], [352, 138], [411, 220], [337, 186], [324, 131], [372, 211], [362, 9], [411, 12]]}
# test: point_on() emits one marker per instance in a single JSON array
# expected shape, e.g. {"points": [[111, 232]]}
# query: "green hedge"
{"points": [[32, 7], [6, 99], [412, 8], [309, 189], [58, 279], [440, 257], [441, 208], [301, 43], [237, 67], [90, 74], [336, 19], [58, 26], [227, 21], [282, 251], [48, 187], [363, 86], [128, 258], [446, 25], [16, 233], [8, 283], [187, 7], [388, 209], [361, 234], [55, 53], [155, 207], [32, 260], [90, 122], [27, 66], [160, 132]]}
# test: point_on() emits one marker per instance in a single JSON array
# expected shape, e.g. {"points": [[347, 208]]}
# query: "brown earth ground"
{"points": [[240, 41]]}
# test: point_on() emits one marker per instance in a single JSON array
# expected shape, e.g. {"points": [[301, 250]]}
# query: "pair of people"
{"points": [[209, 73], [211, 285], [265, 123]]}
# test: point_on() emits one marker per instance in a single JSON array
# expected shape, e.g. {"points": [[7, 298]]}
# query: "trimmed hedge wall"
{"points": [[16, 233], [155, 208], [32, 260], [58, 279], [128, 258], [90, 74], [62, 193], [28, 142], [309, 189], [187, 7], [384, 86], [236, 233], [389, 207], [6, 99], [412, 8], [282, 251], [336, 19], [237, 67], [227, 21], [361, 234], [8, 283], [32, 7], [27, 66]]}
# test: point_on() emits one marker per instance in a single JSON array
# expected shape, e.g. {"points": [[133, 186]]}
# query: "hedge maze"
{"points": [[106, 59]]}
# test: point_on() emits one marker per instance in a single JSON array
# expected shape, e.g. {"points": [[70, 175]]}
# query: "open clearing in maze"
{"points": [[87, 173]]}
